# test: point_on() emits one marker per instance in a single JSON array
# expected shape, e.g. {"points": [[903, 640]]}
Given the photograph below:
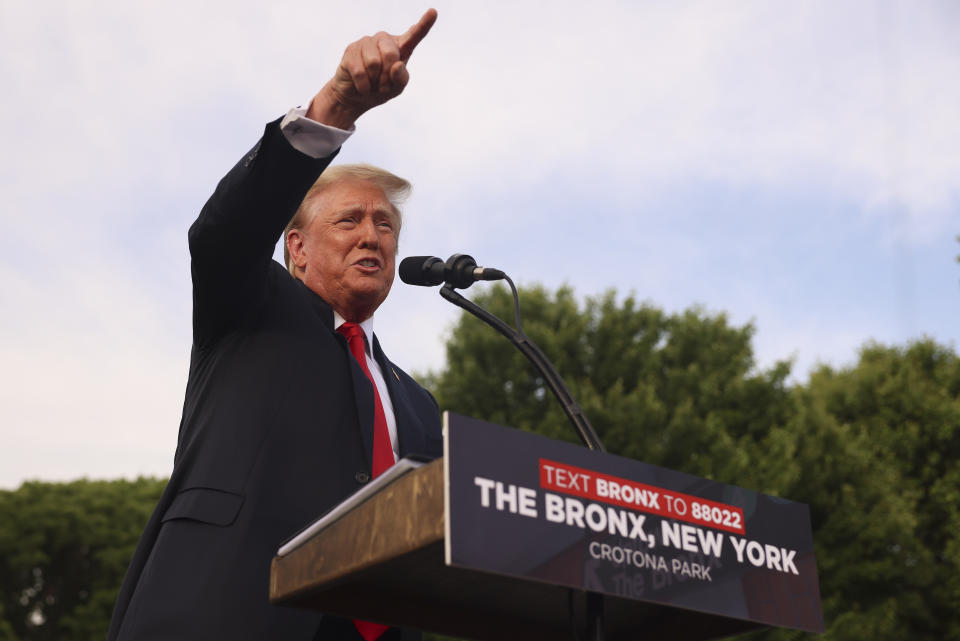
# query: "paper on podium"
{"points": [[401, 467]]}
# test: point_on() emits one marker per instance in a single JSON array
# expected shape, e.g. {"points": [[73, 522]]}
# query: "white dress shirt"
{"points": [[309, 136]]}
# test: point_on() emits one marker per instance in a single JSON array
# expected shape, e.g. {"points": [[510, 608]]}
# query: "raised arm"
{"points": [[232, 241]]}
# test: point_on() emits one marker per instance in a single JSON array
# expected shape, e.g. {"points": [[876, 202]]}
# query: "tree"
{"points": [[677, 390], [878, 453], [64, 548], [874, 449], [674, 390]]}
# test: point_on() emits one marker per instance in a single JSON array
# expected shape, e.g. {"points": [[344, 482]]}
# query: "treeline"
{"points": [[64, 548], [873, 448]]}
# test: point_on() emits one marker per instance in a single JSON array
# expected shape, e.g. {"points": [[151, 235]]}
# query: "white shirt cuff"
{"points": [[311, 137]]}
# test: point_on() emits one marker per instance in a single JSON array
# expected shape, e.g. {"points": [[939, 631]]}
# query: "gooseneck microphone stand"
{"points": [[529, 349], [460, 264]]}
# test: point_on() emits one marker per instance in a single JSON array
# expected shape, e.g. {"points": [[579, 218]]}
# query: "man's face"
{"points": [[348, 247]]}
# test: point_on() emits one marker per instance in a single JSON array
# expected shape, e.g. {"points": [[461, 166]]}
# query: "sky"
{"points": [[795, 165]]}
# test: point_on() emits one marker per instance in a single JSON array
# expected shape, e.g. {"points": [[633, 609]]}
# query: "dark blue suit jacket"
{"points": [[277, 423]]}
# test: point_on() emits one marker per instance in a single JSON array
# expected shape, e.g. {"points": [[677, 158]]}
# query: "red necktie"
{"points": [[382, 449]]}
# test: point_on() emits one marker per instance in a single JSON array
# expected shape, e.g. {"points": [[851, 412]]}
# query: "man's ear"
{"points": [[295, 246]]}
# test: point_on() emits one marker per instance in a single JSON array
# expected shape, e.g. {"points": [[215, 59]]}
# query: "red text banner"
{"points": [[604, 488]]}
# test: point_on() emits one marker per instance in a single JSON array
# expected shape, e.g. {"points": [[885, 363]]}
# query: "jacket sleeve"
{"points": [[233, 239]]}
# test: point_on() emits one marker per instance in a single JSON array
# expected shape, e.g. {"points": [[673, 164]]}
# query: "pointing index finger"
{"points": [[409, 40]]}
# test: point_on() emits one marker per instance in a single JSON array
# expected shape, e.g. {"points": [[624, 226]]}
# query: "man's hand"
{"points": [[373, 70]]}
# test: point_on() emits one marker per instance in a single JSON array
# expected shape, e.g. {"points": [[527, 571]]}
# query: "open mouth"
{"points": [[368, 263]]}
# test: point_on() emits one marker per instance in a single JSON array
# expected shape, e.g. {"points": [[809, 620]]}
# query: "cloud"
{"points": [[92, 377], [854, 97], [643, 98], [675, 150]]}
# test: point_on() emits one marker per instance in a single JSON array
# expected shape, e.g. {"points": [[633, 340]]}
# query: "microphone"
{"points": [[460, 270], [422, 270]]}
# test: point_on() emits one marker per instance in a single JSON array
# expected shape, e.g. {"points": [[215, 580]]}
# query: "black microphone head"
{"points": [[421, 270]]}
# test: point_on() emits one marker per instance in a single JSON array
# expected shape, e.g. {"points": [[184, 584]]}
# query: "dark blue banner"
{"points": [[526, 506]]}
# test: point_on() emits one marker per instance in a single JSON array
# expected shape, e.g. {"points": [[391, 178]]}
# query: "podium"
{"points": [[387, 559]]}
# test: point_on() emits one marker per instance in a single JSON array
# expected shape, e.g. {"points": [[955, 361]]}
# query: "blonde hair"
{"points": [[395, 188]]}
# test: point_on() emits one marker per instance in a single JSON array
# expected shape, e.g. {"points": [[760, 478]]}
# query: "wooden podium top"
{"points": [[384, 561]]}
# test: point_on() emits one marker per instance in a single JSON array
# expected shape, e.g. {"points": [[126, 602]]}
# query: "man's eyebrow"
{"points": [[379, 209]]}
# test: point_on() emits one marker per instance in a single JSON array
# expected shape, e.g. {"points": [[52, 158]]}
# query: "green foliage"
{"points": [[674, 390], [881, 472], [874, 450], [64, 548]]}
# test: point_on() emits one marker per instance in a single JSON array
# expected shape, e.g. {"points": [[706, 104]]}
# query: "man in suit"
{"points": [[282, 419]]}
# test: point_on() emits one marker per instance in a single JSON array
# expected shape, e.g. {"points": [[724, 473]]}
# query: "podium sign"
{"points": [[522, 505]]}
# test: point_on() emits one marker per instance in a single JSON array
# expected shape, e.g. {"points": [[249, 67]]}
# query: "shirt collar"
{"points": [[366, 326]]}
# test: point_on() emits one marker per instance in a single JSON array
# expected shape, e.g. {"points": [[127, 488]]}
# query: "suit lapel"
{"points": [[410, 431], [362, 388]]}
